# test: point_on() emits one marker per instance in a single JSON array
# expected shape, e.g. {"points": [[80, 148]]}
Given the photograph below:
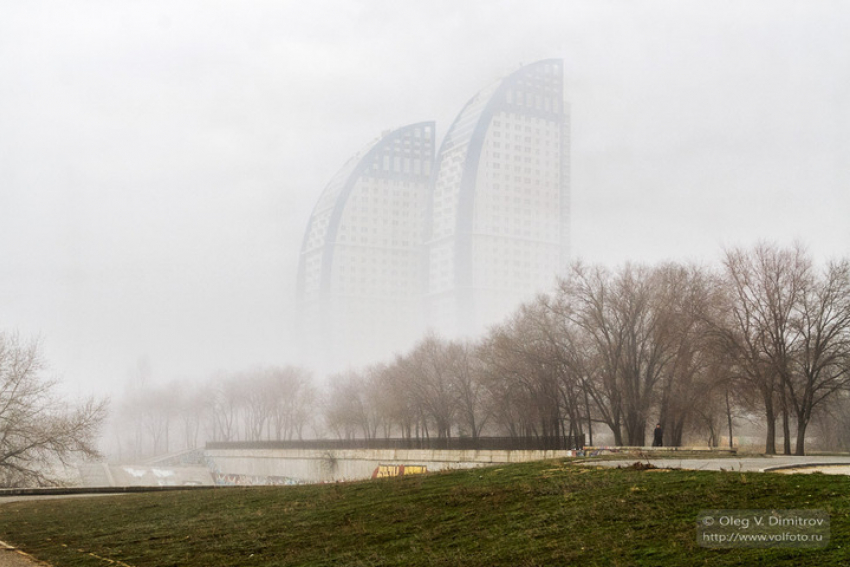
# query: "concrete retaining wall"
{"points": [[309, 465]]}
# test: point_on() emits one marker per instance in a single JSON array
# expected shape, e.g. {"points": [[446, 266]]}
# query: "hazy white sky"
{"points": [[159, 160]]}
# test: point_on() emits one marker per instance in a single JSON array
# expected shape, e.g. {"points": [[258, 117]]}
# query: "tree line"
{"points": [[765, 334], [608, 352]]}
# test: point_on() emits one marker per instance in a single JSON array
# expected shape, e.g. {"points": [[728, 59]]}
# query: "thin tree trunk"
{"points": [[770, 442], [802, 424], [729, 418], [589, 422], [786, 430]]}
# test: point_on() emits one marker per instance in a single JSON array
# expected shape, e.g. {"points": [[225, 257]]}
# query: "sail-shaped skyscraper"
{"points": [[404, 238], [360, 270], [497, 231]]}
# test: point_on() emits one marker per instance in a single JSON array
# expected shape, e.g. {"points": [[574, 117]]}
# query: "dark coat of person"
{"points": [[658, 438]]}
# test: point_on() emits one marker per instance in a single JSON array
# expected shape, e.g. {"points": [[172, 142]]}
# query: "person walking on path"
{"points": [[658, 439]]}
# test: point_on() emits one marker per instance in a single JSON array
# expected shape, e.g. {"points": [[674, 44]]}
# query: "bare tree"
{"points": [[528, 366], [156, 411], [193, 405], [473, 407], [820, 351], [395, 402], [763, 285], [831, 422], [787, 332], [225, 406], [351, 409], [293, 398], [257, 402], [431, 379], [696, 373], [37, 429], [628, 329]]}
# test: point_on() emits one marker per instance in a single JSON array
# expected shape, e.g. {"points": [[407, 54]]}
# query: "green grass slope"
{"points": [[545, 513]]}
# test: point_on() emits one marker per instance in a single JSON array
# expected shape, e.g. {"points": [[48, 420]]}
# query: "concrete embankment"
{"points": [[316, 465]]}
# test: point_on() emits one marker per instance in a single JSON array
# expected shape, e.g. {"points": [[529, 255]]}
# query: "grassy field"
{"points": [[546, 513]]}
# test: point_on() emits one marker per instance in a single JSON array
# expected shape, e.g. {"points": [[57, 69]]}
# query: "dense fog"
{"points": [[160, 163]]}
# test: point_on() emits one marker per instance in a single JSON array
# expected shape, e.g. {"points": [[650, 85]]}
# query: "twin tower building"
{"points": [[407, 237]]}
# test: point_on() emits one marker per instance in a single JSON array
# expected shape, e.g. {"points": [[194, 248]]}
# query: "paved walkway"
{"points": [[11, 557], [7, 499], [745, 464]]}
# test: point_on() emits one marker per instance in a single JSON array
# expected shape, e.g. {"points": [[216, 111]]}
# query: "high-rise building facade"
{"points": [[360, 269], [403, 239], [498, 225]]}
